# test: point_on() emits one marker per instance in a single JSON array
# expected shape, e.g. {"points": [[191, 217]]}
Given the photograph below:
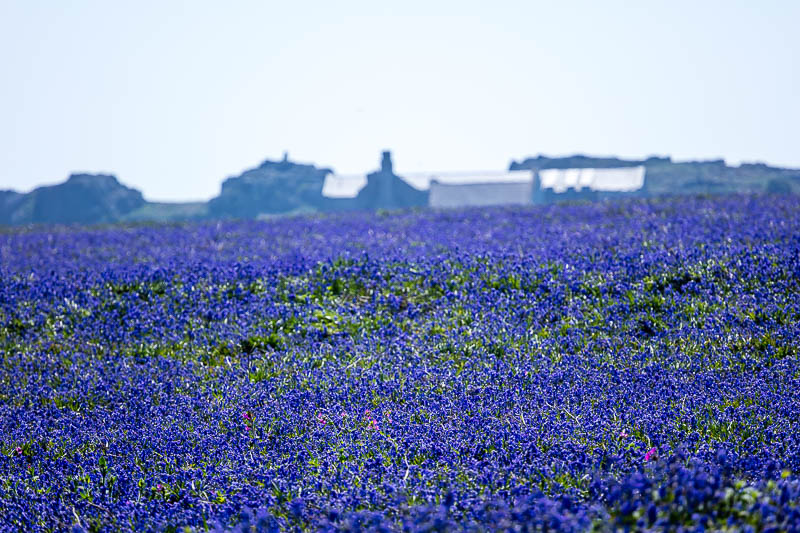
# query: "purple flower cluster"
{"points": [[605, 366]]}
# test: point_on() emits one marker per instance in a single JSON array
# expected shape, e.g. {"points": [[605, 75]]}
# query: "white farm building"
{"points": [[481, 189], [626, 179], [448, 189], [343, 186], [462, 189]]}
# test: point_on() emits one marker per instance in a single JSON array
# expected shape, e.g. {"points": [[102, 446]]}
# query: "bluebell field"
{"points": [[626, 366]]}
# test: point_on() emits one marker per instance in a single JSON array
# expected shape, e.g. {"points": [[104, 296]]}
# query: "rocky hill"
{"points": [[274, 187], [8, 205], [278, 188], [82, 199], [666, 177]]}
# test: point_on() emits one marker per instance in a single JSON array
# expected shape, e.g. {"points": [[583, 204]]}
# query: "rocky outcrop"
{"points": [[283, 187], [8, 204], [666, 177], [274, 187], [543, 162], [82, 199], [715, 177]]}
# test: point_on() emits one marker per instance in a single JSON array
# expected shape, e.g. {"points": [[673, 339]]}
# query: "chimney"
{"points": [[386, 162]]}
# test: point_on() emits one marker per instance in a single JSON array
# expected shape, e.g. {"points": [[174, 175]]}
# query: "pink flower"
{"points": [[159, 487], [651, 455], [623, 434], [18, 450], [247, 416], [374, 425], [321, 419]]}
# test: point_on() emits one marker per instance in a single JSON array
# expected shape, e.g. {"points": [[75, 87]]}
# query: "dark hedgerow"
{"points": [[569, 368]]}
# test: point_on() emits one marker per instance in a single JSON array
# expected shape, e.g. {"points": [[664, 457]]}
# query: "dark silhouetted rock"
{"points": [[542, 162], [82, 199], [271, 188], [8, 204]]}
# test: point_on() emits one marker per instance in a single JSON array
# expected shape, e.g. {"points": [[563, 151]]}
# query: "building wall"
{"points": [[343, 186], [626, 179], [480, 194]]}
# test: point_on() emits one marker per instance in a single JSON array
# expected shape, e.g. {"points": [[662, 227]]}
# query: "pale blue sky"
{"points": [[173, 97]]}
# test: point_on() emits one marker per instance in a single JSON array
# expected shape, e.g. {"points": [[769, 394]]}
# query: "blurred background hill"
{"points": [[285, 187]]}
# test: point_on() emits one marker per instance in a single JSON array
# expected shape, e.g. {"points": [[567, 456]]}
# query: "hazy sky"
{"points": [[173, 97]]}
